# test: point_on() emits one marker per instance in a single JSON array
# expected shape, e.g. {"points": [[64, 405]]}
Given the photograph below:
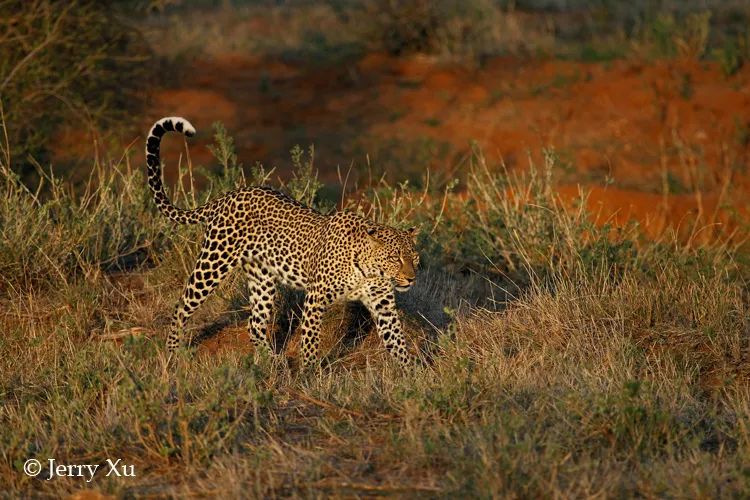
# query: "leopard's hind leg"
{"points": [[262, 292], [316, 302], [217, 258]]}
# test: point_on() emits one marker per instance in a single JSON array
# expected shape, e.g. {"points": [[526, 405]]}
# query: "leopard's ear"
{"points": [[371, 233], [413, 232]]}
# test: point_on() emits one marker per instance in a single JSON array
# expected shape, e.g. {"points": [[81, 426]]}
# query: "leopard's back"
{"points": [[273, 230]]}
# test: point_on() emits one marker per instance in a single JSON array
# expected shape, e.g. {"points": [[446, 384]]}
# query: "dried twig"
{"points": [[338, 409], [385, 488]]}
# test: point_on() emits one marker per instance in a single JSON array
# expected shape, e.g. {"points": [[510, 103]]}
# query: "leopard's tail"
{"points": [[153, 161]]}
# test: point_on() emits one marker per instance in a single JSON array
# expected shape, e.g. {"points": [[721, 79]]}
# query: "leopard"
{"points": [[277, 240]]}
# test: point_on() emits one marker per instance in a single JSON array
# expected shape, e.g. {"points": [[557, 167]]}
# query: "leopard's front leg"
{"points": [[379, 298]]}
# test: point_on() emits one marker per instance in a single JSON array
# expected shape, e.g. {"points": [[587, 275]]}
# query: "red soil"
{"points": [[643, 126]]}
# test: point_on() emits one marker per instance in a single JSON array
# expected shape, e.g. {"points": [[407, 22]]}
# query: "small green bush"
{"points": [[75, 62], [431, 27]]}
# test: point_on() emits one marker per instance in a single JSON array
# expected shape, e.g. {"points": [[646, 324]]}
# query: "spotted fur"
{"points": [[276, 239]]}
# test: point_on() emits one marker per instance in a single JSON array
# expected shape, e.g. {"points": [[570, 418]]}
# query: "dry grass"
{"points": [[562, 359]]}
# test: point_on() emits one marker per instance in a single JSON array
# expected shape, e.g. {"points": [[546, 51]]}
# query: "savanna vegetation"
{"points": [[561, 355]]}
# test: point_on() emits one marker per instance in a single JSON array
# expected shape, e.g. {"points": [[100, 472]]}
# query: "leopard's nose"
{"points": [[409, 273]]}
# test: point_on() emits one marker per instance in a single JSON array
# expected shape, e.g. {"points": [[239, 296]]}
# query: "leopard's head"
{"points": [[390, 254]]}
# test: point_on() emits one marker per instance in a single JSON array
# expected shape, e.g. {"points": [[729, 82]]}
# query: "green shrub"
{"points": [[75, 62], [666, 35], [431, 27], [734, 53]]}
